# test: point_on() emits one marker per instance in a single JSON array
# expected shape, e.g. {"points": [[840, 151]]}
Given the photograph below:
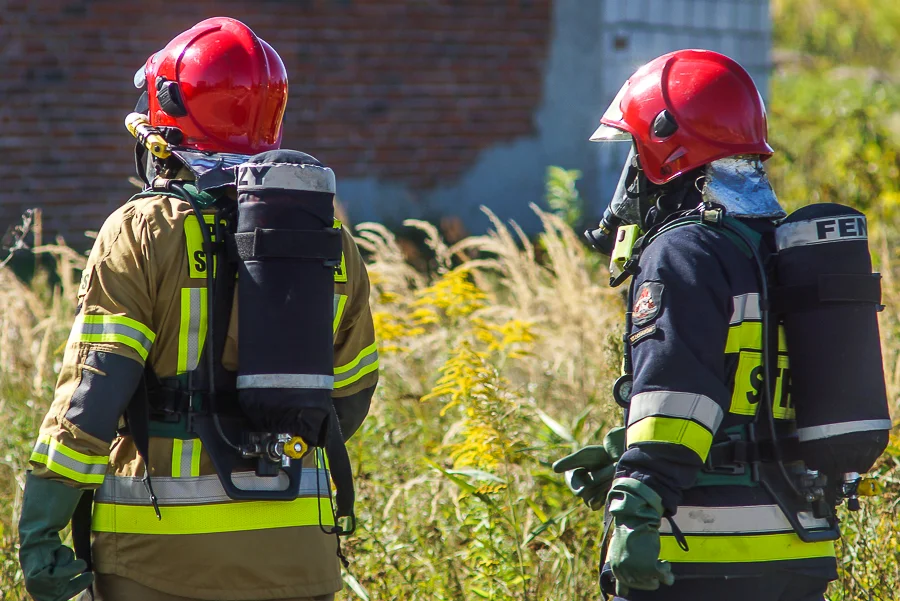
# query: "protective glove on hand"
{"points": [[634, 549], [51, 571], [590, 471]]}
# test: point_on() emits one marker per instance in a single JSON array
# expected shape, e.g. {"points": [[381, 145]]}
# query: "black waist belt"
{"points": [[735, 453]]}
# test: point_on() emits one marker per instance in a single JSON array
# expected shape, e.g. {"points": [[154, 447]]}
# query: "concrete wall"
{"points": [[596, 45]]}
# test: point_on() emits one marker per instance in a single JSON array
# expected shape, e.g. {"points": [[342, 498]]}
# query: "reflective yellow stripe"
{"points": [[340, 274], [365, 362], [113, 328], [195, 458], [186, 458], [206, 519], [340, 301], [322, 460], [69, 463], [192, 330], [748, 336], [742, 548], [671, 430], [197, 262], [177, 448], [125, 321]]}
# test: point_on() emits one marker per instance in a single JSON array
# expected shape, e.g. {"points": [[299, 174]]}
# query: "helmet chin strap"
{"points": [[656, 202]]}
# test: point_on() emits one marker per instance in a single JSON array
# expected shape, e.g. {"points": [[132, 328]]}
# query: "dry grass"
{"points": [[496, 362]]}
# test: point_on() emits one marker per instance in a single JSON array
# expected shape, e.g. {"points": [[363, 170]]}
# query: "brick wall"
{"points": [[407, 91]]}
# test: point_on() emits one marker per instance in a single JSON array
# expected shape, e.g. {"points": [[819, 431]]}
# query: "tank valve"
{"points": [[296, 448], [849, 490]]}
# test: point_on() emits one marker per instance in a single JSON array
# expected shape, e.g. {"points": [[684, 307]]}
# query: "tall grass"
{"points": [[496, 361]]}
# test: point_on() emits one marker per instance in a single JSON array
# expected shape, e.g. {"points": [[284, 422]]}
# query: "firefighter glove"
{"points": [[590, 471], [634, 549], [51, 571]]}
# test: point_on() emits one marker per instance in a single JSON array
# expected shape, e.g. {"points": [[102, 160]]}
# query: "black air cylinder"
{"points": [[828, 298], [288, 249]]}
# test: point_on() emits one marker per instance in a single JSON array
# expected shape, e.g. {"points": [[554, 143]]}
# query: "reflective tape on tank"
{"points": [[192, 330], [670, 430], [236, 516], [364, 363], [186, 457], [829, 430], [113, 328], [204, 490], [312, 381], [69, 463], [340, 301], [738, 519], [685, 405], [746, 308], [284, 176], [752, 548], [837, 228]]}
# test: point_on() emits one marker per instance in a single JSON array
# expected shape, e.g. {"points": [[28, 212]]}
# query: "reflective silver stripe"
{"points": [[284, 176], [315, 381], [686, 405], [81, 328], [829, 430], [742, 519], [746, 307], [839, 228], [185, 460], [201, 490], [363, 363], [192, 346], [57, 457]]}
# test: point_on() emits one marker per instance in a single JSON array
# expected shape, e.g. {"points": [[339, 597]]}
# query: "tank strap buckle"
{"points": [[731, 457], [712, 216]]}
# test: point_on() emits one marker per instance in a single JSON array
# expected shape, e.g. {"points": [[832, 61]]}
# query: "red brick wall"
{"points": [[407, 91]]}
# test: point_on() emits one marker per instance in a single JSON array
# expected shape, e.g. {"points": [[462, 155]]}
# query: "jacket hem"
{"points": [[316, 589]]}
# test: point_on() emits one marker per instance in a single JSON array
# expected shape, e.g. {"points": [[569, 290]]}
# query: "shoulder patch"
{"points": [[647, 303]]}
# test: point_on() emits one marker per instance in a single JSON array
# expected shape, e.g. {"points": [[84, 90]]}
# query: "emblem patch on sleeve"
{"points": [[647, 303]]}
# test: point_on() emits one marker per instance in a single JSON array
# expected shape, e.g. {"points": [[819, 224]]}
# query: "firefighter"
{"points": [[165, 525], [687, 518]]}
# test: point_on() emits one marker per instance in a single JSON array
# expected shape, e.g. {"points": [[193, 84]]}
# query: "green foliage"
{"points": [[837, 139], [562, 195], [839, 31], [834, 111]]}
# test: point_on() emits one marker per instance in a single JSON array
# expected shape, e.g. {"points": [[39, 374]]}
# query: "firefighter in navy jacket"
{"points": [[680, 527]]}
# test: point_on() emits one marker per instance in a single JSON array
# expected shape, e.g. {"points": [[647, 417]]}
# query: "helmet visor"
{"points": [[606, 133], [624, 206]]}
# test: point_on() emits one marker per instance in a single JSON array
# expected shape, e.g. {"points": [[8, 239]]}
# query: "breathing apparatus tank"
{"points": [[288, 249], [828, 299]]}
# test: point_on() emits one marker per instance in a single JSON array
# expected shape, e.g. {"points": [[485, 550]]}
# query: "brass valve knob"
{"points": [[296, 448]]}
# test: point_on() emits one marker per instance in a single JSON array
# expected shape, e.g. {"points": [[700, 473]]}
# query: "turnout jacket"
{"points": [[142, 299], [696, 341]]}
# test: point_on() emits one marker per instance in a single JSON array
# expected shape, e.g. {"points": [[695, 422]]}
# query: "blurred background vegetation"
{"points": [[499, 357]]}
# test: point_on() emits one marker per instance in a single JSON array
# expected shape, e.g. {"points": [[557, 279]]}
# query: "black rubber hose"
{"points": [[178, 187]]}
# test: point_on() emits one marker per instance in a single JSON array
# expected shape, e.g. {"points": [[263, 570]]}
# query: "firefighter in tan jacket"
{"points": [[142, 321]]}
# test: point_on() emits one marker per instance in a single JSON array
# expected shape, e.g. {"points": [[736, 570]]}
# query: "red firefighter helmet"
{"points": [[222, 86], [686, 109]]}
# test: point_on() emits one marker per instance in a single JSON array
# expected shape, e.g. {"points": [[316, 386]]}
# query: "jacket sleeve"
{"points": [[355, 346], [104, 357], [681, 309]]}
